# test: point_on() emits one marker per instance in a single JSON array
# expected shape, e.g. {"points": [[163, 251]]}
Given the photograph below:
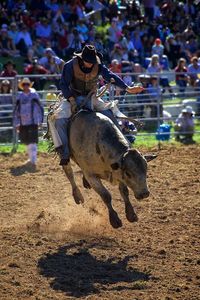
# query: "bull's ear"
{"points": [[115, 166], [150, 157]]}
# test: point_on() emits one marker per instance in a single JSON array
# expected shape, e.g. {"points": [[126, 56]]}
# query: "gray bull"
{"points": [[102, 152]]}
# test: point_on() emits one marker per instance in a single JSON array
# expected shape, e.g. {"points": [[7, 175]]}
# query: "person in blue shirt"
{"points": [[79, 81]]}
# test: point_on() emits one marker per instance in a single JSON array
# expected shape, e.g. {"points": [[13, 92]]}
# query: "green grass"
{"points": [[42, 147], [147, 141]]}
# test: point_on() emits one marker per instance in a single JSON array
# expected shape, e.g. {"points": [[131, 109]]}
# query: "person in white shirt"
{"points": [[184, 126]]}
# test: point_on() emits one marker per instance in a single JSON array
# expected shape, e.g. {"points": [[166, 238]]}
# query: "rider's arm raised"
{"points": [[108, 75]]}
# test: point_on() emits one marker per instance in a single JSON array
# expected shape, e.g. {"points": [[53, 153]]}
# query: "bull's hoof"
{"points": [[115, 220], [86, 183], [78, 197], [131, 215]]}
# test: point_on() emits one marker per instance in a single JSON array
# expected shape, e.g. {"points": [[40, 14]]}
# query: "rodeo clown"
{"points": [[78, 84]]}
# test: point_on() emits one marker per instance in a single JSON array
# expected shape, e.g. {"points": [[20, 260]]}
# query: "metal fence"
{"points": [[157, 105]]}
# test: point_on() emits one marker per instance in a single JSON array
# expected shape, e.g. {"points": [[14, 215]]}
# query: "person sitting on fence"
{"points": [[28, 116], [184, 126]]}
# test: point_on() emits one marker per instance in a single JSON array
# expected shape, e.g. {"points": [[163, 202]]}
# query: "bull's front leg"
{"points": [[129, 210], [99, 188], [78, 197]]}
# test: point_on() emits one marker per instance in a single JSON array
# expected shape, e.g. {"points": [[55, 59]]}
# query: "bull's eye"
{"points": [[128, 174]]}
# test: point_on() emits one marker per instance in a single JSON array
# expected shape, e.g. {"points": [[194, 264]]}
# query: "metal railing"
{"points": [[147, 107]]}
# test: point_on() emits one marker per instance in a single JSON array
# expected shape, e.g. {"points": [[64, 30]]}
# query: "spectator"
{"points": [[53, 6], [38, 48], [13, 32], [116, 66], [154, 91], [116, 53], [137, 70], [181, 75], [128, 78], [28, 116], [24, 40], [61, 32], [146, 49], [36, 68], [52, 94], [6, 110], [132, 52], [184, 126], [83, 29], [75, 42], [9, 69], [7, 46], [51, 62], [142, 98], [43, 30], [154, 66], [172, 50], [193, 71], [113, 34], [191, 46], [164, 80], [158, 48], [149, 7]]}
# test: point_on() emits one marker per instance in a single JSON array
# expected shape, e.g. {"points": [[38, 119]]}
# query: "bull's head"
{"points": [[133, 167]]}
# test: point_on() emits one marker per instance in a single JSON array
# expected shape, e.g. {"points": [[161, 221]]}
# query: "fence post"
{"points": [[15, 136], [159, 117]]}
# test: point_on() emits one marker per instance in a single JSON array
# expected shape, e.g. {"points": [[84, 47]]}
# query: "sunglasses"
{"points": [[26, 84]]}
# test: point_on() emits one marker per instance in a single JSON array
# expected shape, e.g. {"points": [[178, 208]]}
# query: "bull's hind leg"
{"points": [[130, 213], [75, 190], [99, 188]]}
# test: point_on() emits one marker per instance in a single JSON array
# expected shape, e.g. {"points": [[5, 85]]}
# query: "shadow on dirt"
{"points": [[20, 170], [78, 273]]}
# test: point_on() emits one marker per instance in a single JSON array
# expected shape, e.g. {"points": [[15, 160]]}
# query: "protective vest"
{"points": [[83, 83]]}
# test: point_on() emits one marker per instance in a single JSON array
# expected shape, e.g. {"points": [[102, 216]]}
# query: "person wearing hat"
{"points": [[184, 126], [78, 82], [9, 70], [46, 61], [28, 116]]}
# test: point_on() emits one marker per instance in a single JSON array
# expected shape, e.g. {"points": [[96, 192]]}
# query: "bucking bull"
{"points": [[102, 152]]}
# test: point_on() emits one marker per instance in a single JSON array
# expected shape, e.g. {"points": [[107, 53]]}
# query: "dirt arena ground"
{"points": [[50, 248]]}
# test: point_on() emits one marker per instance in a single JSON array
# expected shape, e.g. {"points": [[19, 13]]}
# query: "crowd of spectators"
{"points": [[137, 36], [136, 30]]}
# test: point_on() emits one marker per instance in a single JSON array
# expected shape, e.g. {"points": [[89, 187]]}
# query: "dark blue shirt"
{"points": [[67, 76]]}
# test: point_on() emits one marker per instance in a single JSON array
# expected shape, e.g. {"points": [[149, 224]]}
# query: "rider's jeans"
{"points": [[61, 126]]}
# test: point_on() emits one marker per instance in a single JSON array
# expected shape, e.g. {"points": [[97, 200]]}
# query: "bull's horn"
{"points": [[150, 157]]}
